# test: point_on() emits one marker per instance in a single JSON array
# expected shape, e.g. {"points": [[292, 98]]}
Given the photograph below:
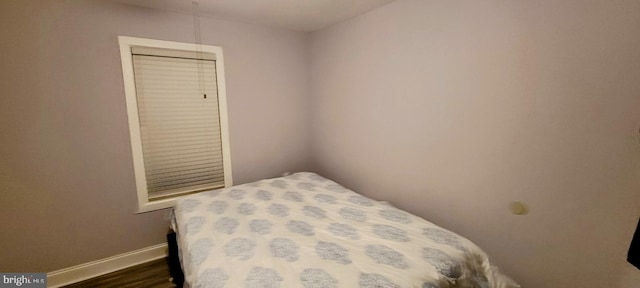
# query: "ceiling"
{"points": [[298, 15]]}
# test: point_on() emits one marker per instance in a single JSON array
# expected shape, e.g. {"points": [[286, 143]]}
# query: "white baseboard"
{"points": [[103, 266]]}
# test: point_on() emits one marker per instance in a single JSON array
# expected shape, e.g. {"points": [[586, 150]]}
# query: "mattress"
{"points": [[303, 230]]}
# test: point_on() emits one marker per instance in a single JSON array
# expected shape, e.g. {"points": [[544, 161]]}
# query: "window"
{"points": [[175, 94]]}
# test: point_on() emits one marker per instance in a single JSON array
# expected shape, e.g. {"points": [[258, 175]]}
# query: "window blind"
{"points": [[179, 121]]}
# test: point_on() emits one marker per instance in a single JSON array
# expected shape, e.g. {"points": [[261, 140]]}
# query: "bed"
{"points": [[303, 230]]}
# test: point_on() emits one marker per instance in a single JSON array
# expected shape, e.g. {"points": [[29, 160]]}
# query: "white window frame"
{"points": [[144, 204]]}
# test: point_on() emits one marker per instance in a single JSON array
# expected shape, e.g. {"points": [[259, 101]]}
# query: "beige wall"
{"points": [[67, 192], [452, 109]]}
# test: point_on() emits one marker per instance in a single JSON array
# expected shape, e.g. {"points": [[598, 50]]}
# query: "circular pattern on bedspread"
{"points": [[375, 281], [314, 212], [443, 237], [240, 248], [385, 255], [217, 207], [293, 196], [279, 184], [429, 285], [284, 248], [260, 226], [343, 230], [444, 263], [194, 224], [395, 215], [212, 278], [306, 186], [332, 251], [300, 227], [246, 208], [389, 232], [317, 278], [237, 194], [352, 214], [260, 277], [360, 200], [200, 250], [226, 225], [279, 210], [188, 205], [325, 198], [336, 188], [264, 195]]}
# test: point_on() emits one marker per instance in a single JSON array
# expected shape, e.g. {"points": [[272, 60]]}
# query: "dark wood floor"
{"points": [[154, 274]]}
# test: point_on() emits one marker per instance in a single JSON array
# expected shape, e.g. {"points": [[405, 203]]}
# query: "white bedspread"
{"points": [[306, 231]]}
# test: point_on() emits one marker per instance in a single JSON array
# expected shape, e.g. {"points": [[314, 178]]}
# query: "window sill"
{"points": [[156, 205]]}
